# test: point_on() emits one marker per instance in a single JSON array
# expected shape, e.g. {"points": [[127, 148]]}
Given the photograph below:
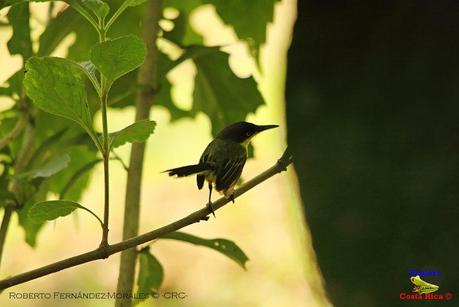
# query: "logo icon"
{"points": [[421, 286]]}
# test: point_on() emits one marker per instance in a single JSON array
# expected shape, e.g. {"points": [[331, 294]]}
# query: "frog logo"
{"points": [[422, 286]]}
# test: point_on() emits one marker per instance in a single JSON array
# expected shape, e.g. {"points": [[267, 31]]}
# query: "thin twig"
{"points": [[101, 252], [120, 160]]}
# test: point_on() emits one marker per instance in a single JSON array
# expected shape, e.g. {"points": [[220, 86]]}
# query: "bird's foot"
{"points": [[211, 209], [232, 198]]}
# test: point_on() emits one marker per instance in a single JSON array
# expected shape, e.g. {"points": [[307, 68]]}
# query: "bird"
{"points": [[222, 161]]}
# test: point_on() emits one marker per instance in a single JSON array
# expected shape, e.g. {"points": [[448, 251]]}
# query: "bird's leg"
{"points": [[209, 204]]}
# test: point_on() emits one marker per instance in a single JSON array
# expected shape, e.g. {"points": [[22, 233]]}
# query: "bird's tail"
{"points": [[189, 170]]}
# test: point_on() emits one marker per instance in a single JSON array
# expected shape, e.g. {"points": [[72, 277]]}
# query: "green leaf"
{"points": [[76, 182], [15, 82], [55, 85], [51, 209], [6, 196], [220, 94], [135, 2], [57, 29], [31, 229], [192, 52], [20, 42], [51, 167], [5, 91], [248, 18], [151, 274], [98, 7], [5, 3], [136, 133], [226, 247], [90, 70], [183, 33], [164, 99], [115, 58]]}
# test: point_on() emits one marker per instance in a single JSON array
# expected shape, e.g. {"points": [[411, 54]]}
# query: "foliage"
{"points": [[55, 100], [226, 247]]}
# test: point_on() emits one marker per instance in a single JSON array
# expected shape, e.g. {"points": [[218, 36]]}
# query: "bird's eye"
{"points": [[248, 133]]}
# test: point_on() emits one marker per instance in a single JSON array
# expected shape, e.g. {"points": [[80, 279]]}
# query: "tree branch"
{"points": [[101, 253]]}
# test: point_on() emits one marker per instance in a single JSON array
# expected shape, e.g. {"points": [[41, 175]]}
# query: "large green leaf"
{"points": [[136, 133], [151, 274], [224, 246], [56, 86], [248, 18], [20, 42], [117, 57], [220, 94]]}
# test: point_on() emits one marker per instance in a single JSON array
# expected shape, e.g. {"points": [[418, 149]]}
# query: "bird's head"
{"points": [[242, 132]]}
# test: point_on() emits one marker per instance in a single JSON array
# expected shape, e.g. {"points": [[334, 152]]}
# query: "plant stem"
{"points": [[147, 79], [105, 87], [106, 158], [4, 228], [101, 253]]}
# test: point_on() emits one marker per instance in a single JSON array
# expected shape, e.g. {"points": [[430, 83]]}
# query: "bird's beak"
{"points": [[266, 127]]}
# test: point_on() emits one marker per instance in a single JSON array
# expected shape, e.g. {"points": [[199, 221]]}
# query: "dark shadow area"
{"points": [[373, 121]]}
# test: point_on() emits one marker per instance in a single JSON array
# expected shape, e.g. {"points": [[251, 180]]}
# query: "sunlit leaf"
{"points": [[117, 57], [56, 86], [220, 94], [183, 33], [248, 18], [136, 133], [20, 42], [57, 29], [51, 209]]}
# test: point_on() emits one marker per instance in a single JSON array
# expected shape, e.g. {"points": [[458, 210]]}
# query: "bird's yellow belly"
{"points": [[211, 178]]}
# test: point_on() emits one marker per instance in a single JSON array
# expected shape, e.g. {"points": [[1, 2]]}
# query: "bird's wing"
{"points": [[231, 171], [205, 158]]}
